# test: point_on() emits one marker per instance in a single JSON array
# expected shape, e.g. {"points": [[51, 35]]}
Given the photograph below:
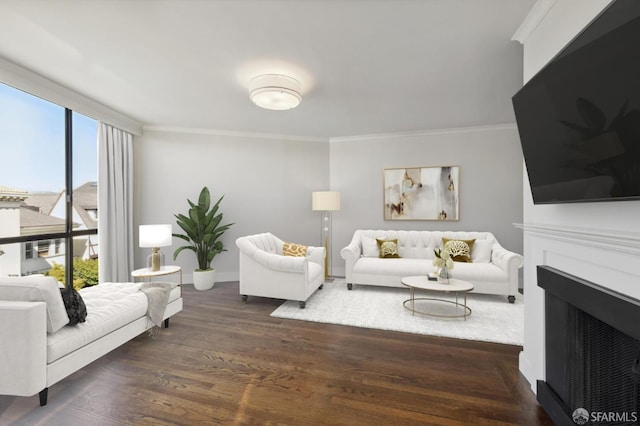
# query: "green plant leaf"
{"points": [[204, 200]]}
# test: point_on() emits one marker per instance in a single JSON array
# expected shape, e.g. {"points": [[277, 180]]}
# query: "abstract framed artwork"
{"points": [[421, 193]]}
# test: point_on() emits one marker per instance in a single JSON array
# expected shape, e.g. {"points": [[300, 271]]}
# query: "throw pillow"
{"points": [[369, 247], [73, 303], [460, 249], [37, 289], [481, 252], [388, 248], [292, 249]]}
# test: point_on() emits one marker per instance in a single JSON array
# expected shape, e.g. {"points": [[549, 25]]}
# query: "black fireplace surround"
{"points": [[592, 352]]}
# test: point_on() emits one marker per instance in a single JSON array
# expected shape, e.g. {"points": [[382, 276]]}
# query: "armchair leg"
{"points": [[321, 286], [244, 298], [302, 304], [349, 286], [511, 299]]}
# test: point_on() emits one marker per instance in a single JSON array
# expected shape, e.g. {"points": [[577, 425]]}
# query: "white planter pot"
{"points": [[204, 280]]}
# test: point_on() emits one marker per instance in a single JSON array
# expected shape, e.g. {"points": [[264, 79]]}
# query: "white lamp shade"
{"points": [[155, 235], [325, 201]]}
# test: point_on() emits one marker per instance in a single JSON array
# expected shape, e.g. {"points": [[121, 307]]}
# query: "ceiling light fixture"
{"points": [[275, 91]]}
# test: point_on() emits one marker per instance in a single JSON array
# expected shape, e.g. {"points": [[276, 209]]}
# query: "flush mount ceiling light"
{"points": [[275, 91]]}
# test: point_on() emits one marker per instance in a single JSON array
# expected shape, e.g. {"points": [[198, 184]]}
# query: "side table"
{"points": [[143, 273], [164, 270]]}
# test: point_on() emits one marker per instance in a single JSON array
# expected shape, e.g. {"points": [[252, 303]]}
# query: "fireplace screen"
{"points": [[602, 374], [592, 352]]}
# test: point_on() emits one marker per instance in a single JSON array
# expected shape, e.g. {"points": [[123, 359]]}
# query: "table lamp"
{"points": [[155, 236], [326, 202]]}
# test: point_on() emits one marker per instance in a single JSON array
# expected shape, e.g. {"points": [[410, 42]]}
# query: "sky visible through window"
{"points": [[32, 144]]}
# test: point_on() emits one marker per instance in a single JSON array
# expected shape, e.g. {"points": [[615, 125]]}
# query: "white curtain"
{"points": [[115, 203]]}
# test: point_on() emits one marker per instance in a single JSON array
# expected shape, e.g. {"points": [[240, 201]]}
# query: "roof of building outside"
{"points": [[85, 197], [35, 211], [12, 194], [44, 201], [30, 219]]}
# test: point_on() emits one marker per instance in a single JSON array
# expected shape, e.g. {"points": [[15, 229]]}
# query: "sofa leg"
{"points": [[349, 286], [166, 323], [302, 304], [244, 298], [43, 396], [321, 286], [511, 299]]}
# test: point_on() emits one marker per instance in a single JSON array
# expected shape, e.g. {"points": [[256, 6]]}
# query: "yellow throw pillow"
{"points": [[388, 248], [460, 249], [292, 249]]}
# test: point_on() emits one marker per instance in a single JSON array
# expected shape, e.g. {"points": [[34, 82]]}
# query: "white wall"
{"points": [[599, 242], [11, 260], [266, 183], [490, 160]]}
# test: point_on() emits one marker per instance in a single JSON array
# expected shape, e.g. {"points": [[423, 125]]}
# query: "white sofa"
{"points": [[39, 349], [493, 270], [266, 272]]}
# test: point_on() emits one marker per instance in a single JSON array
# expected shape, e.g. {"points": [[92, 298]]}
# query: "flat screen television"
{"points": [[579, 117]]}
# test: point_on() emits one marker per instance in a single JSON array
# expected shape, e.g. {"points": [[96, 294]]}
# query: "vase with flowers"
{"points": [[444, 263]]}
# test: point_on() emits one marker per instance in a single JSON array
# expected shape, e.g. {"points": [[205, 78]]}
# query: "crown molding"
{"points": [[533, 19], [35, 84], [231, 133], [491, 127]]}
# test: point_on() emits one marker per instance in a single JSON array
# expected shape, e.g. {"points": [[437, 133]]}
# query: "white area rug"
{"points": [[493, 319]]}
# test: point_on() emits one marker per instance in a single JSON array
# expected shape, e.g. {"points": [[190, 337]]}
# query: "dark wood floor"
{"points": [[225, 362]]}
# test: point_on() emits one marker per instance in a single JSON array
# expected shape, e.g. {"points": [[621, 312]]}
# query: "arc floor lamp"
{"points": [[326, 202]]}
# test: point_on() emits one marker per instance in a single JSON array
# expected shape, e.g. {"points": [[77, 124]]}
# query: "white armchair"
{"points": [[266, 272]]}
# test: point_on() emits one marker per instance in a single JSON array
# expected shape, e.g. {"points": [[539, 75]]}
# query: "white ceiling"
{"points": [[366, 66]]}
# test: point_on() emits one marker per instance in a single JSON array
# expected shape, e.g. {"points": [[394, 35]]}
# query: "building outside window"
{"points": [[28, 250], [43, 247], [52, 173]]}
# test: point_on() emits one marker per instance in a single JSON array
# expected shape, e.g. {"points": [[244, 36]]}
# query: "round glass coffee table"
{"points": [[421, 282]]}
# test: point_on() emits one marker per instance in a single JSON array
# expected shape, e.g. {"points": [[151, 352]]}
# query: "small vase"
{"points": [[443, 275]]}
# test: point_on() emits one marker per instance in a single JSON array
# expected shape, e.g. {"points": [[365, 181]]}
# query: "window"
{"points": [[43, 247], [28, 250], [48, 184]]}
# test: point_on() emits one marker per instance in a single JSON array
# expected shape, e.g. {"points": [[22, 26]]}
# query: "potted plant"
{"points": [[202, 230]]}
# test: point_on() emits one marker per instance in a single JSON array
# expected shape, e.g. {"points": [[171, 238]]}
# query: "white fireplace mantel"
{"points": [[605, 257], [628, 242]]}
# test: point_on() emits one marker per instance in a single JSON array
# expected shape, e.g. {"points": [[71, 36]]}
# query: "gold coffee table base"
{"points": [[421, 282], [413, 310]]}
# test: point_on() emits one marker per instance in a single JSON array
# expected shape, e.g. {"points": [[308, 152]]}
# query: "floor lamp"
{"points": [[326, 202]]}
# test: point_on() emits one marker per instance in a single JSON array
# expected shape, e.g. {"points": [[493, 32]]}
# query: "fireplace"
{"points": [[592, 352]]}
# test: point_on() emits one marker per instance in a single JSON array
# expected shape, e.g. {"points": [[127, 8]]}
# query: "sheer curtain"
{"points": [[115, 203]]}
